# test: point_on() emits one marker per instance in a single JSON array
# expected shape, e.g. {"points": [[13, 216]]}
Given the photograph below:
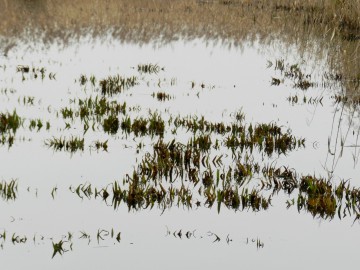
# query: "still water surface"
{"points": [[234, 79]]}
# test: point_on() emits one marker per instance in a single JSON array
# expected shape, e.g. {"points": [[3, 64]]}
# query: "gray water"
{"points": [[235, 79]]}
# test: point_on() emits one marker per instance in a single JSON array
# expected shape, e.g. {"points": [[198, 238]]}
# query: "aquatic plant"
{"points": [[100, 145], [27, 100], [8, 190], [317, 196], [139, 126], [83, 79], [83, 189], [305, 100], [291, 72], [72, 145], [156, 124], [161, 96], [160, 176], [9, 122], [58, 248], [111, 124], [67, 113], [7, 139], [23, 69], [116, 84], [149, 68], [17, 239], [35, 123]]}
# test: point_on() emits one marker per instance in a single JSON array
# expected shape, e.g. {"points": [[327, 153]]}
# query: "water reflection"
{"points": [[74, 59]]}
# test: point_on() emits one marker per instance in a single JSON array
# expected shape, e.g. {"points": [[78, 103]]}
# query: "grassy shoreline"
{"points": [[328, 28], [212, 18]]}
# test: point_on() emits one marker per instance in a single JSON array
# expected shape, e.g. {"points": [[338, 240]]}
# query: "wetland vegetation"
{"points": [[113, 143]]}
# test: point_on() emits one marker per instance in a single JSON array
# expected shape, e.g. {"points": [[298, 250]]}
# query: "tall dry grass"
{"points": [[226, 19], [324, 26]]}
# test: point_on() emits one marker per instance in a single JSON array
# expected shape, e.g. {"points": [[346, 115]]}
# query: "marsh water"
{"points": [[62, 210]]}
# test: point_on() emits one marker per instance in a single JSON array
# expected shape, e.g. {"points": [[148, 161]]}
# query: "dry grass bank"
{"points": [[324, 26], [211, 18]]}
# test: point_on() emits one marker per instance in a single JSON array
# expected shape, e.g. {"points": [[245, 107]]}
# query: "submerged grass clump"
{"points": [[111, 124], [161, 96], [7, 139], [100, 145], [293, 73], [102, 236], [188, 175], [58, 248], [8, 190], [114, 85], [72, 145], [295, 99], [149, 68], [35, 124], [83, 79], [156, 125], [35, 72], [67, 113], [317, 196], [96, 108], [9, 122], [96, 112]]}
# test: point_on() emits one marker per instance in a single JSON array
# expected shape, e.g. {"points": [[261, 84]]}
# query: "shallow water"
{"points": [[236, 78]]}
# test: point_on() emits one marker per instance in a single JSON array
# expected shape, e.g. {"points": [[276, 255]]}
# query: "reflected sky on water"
{"points": [[235, 78]]}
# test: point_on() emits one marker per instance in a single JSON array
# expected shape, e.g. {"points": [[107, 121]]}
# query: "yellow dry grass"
{"points": [[324, 26]]}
